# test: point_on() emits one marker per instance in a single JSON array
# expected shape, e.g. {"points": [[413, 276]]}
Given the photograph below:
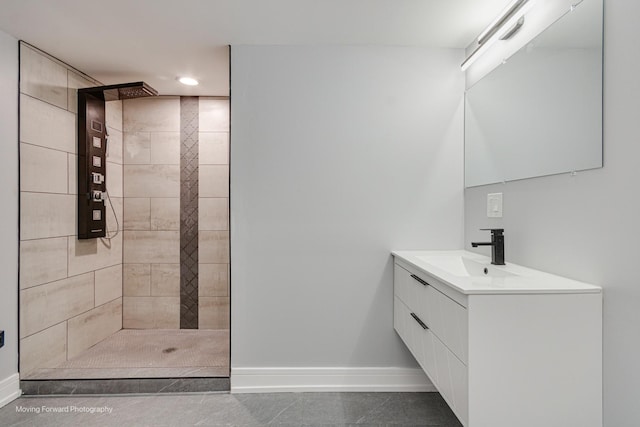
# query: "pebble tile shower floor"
{"points": [[274, 409]]}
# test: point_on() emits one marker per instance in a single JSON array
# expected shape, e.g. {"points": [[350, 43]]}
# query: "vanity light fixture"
{"points": [[500, 20], [188, 81], [503, 27]]}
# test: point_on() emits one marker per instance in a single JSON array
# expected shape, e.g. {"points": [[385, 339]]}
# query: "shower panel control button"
{"points": [[98, 178], [96, 126], [97, 214], [97, 161], [97, 196], [97, 142]]}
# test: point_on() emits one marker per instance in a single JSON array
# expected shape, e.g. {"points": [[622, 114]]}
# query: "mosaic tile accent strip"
{"points": [[189, 127]]}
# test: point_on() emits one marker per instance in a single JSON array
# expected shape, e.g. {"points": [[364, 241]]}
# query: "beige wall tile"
{"points": [[93, 326], [47, 126], [46, 305], [165, 148], [137, 213], [113, 114], [165, 280], [46, 349], [114, 179], [42, 77], [108, 284], [213, 280], [42, 261], [45, 215], [42, 169], [151, 313], [213, 148], [214, 181], [165, 213], [94, 254], [157, 114], [214, 115], [213, 313], [154, 247], [136, 280], [213, 214], [72, 167], [213, 247], [136, 148], [76, 81], [112, 226], [152, 181], [115, 146]]}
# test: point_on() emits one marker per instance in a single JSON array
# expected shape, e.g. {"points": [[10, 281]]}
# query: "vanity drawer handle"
{"points": [[420, 280], [420, 322]]}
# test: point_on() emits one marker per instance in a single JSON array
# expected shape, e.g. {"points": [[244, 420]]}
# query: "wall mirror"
{"points": [[540, 112]]}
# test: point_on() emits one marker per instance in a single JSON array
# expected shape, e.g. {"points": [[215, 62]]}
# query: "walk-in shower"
{"points": [[141, 289]]}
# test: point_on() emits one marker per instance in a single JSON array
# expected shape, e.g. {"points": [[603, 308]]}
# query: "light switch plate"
{"points": [[494, 205]]}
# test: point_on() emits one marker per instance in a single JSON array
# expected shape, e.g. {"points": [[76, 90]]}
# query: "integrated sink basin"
{"points": [[472, 273], [463, 266]]}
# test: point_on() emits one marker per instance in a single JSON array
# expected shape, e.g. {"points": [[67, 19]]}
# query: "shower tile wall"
{"points": [[151, 270], [151, 213], [213, 221], [70, 290]]}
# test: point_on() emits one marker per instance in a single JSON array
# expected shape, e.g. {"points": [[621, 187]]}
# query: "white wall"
{"points": [[587, 227], [338, 156], [8, 213]]}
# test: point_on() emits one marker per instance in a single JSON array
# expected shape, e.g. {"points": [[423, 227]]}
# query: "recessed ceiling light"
{"points": [[188, 81]]}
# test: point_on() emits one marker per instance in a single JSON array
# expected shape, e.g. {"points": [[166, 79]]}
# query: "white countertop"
{"points": [[463, 271]]}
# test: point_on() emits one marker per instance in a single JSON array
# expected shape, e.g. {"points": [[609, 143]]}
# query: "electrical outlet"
{"points": [[1, 339]]}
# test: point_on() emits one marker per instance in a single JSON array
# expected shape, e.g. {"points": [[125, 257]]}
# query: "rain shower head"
{"points": [[121, 91]]}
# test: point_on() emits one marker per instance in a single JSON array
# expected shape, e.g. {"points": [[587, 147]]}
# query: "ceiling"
{"points": [[116, 41]]}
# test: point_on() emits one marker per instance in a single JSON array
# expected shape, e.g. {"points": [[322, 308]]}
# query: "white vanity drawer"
{"points": [[401, 318], [446, 318], [444, 369], [418, 339], [452, 380]]}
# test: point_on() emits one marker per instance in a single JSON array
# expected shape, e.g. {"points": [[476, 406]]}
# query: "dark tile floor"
{"points": [[210, 409]]}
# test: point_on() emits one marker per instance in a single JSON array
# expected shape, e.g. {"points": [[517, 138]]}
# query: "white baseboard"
{"points": [[9, 389], [273, 380]]}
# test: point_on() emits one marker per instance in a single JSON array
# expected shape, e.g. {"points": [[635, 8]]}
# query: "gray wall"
{"points": [[9, 197], [338, 156], [586, 227]]}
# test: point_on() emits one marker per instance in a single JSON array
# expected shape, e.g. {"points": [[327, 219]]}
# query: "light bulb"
{"points": [[188, 81]]}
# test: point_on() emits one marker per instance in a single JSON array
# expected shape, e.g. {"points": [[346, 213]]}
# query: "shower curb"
{"points": [[123, 386]]}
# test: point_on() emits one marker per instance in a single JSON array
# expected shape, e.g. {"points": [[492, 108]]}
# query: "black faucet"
{"points": [[496, 243]]}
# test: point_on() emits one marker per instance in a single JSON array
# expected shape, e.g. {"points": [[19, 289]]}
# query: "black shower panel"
{"points": [[92, 176], [92, 153]]}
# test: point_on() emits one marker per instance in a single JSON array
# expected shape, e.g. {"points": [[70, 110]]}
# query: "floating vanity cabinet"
{"points": [[509, 347]]}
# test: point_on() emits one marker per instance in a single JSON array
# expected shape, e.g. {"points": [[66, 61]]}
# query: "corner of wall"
{"points": [[9, 384]]}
